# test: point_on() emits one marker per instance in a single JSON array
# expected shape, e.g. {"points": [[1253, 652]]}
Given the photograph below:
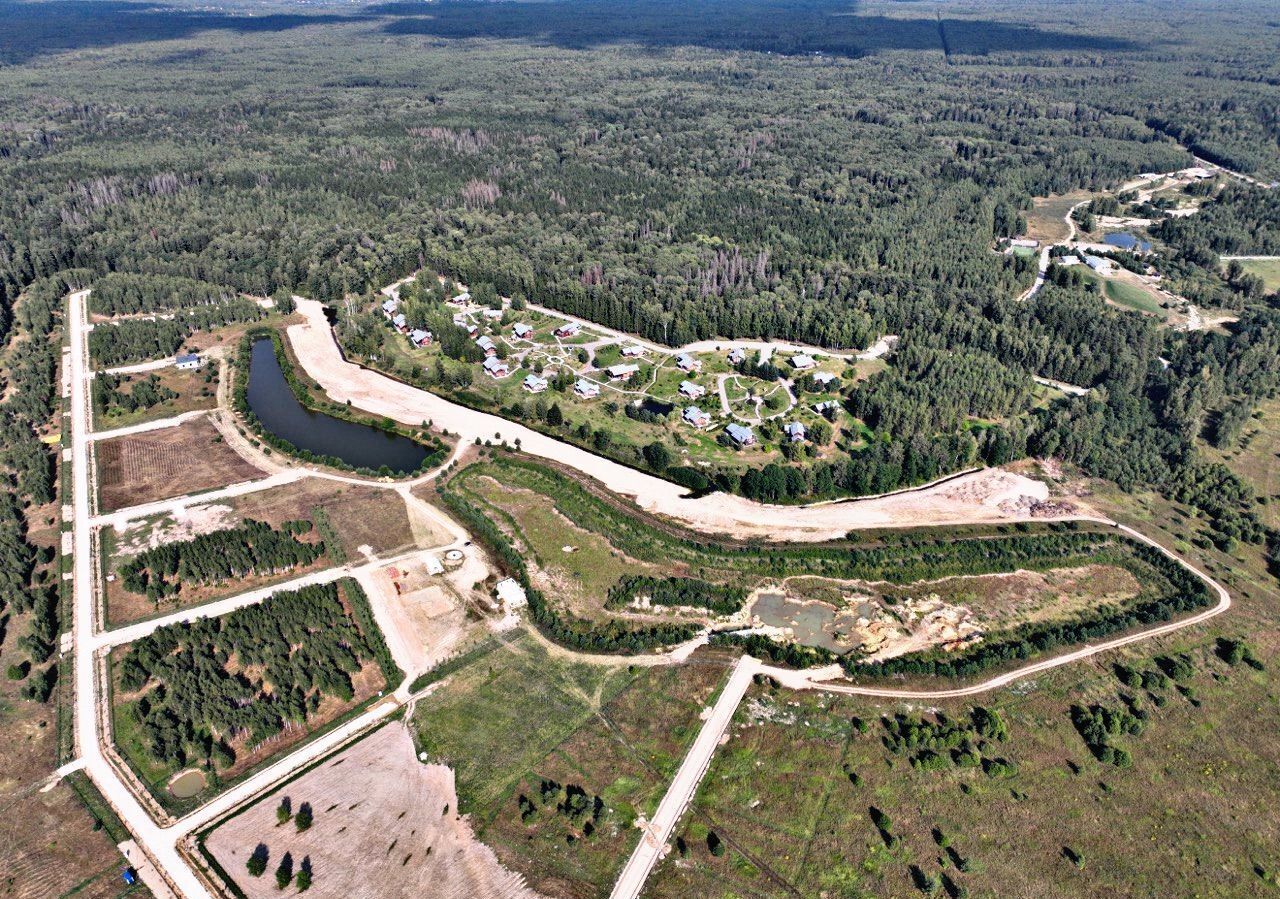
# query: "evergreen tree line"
{"points": [[27, 476], [138, 340], [197, 698], [124, 293], [723, 599], [251, 549]]}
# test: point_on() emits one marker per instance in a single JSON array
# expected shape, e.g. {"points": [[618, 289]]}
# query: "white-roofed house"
{"points": [[461, 299], [187, 362], [486, 344], [691, 390], [588, 390], [568, 329], [511, 594], [1099, 264], [534, 383], [632, 350], [795, 431], [400, 323], [496, 367], [696, 417], [823, 378], [803, 362], [389, 307], [522, 330], [741, 435], [418, 337], [622, 372], [685, 362], [736, 355]]}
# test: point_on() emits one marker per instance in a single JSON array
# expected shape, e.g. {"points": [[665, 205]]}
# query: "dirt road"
{"points": [[657, 831]]}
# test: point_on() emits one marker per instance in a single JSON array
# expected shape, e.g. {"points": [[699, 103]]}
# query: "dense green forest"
{"points": [[249, 549], [197, 697], [814, 170], [141, 339], [111, 396]]}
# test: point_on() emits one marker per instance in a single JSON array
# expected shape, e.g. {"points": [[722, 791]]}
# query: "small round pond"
{"points": [[187, 783], [358, 445]]}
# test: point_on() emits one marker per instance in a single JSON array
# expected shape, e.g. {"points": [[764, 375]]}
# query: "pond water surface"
{"points": [[358, 445]]}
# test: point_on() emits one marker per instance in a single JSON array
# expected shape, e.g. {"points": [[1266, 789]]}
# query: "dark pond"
{"points": [[280, 413], [1127, 241]]}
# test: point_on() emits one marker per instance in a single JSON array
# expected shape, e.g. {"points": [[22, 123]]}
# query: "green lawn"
{"points": [[1267, 269], [1132, 297]]}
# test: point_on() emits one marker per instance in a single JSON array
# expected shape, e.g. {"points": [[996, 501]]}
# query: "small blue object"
{"points": [[129, 876]]}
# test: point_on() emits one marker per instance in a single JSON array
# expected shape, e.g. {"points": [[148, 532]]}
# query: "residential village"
{"points": [[723, 401]]}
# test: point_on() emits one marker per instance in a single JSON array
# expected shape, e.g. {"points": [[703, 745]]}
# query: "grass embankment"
{"points": [[534, 501]]}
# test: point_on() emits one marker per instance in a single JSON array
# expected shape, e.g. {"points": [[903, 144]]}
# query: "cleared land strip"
{"points": [[143, 427], [657, 831], [217, 608]]}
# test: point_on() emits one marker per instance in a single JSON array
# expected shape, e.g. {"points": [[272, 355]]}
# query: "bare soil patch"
{"points": [[385, 825], [154, 465], [1045, 220]]}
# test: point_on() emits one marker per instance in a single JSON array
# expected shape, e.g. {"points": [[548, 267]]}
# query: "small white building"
{"points": [[461, 299], [622, 372], [588, 390], [492, 315], [568, 329], [523, 331], [696, 417], [389, 307], [1099, 264], [496, 368], [823, 378], [795, 431], [433, 565], [400, 323], [685, 362], [691, 390], [1068, 260], [632, 350], [187, 362], [511, 594], [418, 337], [1024, 242], [534, 384], [736, 355], [826, 406], [486, 344], [803, 362]]}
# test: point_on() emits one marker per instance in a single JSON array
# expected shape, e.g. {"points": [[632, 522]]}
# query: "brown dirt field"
{"points": [[47, 842], [1045, 219], [385, 826], [171, 462], [49, 849]]}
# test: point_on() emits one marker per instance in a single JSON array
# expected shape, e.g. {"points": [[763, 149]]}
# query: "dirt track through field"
{"points": [[386, 827]]}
